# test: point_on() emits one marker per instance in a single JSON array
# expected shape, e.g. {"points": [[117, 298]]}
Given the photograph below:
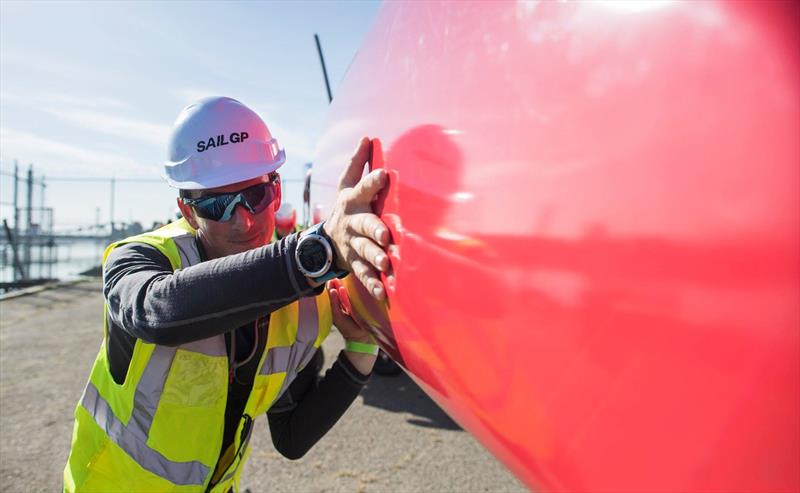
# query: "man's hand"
{"points": [[359, 236], [349, 325]]}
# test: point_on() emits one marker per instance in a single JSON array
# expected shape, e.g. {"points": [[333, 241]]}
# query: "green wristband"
{"points": [[360, 347]]}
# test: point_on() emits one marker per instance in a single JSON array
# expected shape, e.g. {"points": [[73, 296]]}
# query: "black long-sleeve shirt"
{"points": [[147, 300]]}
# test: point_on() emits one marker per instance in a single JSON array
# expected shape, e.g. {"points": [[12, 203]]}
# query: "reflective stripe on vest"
{"points": [[187, 249], [291, 359], [133, 437], [307, 326]]}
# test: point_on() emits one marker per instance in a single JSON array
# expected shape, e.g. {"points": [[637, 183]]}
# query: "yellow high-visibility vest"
{"points": [[161, 430]]}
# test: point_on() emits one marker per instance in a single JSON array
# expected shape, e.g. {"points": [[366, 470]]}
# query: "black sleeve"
{"points": [[310, 407], [151, 302]]}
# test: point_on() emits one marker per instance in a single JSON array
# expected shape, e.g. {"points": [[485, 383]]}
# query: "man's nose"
{"points": [[241, 218]]}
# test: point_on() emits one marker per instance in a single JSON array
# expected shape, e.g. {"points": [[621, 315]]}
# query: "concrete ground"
{"points": [[393, 437]]}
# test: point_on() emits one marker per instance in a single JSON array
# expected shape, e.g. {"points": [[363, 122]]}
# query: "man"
{"points": [[208, 325]]}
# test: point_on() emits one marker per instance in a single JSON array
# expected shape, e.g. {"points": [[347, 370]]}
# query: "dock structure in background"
{"points": [[32, 243], [32, 247]]}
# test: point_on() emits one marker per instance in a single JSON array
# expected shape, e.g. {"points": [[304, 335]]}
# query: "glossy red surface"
{"points": [[595, 209]]}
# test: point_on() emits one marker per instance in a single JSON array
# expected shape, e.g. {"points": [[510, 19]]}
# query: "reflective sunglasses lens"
{"points": [[213, 207], [258, 197]]}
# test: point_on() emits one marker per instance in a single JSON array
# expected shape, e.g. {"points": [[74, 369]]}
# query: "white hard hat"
{"points": [[218, 141]]}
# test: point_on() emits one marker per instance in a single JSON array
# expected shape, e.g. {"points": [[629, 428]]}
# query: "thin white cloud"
{"points": [[94, 102], [60, 158], [47, 100], [188, 95], [120, 126], [89, 113], [33, 61]]}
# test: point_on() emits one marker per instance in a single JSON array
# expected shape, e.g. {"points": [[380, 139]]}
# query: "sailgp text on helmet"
{"points": [[219, 141]]}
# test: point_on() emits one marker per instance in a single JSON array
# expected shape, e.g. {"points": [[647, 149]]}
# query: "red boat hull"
{"points": [[595, 211]]}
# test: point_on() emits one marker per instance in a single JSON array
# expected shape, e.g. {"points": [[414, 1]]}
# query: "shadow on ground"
{"points": [[399, 394]]}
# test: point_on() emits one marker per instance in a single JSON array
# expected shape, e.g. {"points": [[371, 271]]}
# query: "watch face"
{"points": [[313, 256]]}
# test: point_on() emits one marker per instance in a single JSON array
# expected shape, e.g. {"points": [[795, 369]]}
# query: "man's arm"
{"points": [[311, 406], [150, 301]]}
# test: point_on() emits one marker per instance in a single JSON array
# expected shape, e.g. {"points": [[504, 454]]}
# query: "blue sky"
{"points": [[91, 89]]}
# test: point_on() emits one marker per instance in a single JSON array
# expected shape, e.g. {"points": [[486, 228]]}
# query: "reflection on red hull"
{"points": [[595, 211]]}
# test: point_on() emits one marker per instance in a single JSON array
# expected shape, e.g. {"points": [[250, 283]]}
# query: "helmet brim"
{"points": [[239, 172]]}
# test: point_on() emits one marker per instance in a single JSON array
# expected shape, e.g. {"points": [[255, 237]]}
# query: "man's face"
{"points": [[243, 231]]}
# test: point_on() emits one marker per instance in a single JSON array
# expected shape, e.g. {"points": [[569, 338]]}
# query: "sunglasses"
{"points": [[220, 207]]}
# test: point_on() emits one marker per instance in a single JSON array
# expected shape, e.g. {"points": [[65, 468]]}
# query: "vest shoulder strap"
{"points": [[175, 241]]}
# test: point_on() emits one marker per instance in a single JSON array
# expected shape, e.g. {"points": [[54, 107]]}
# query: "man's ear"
{"points": [[276, 203], [187, 213]]}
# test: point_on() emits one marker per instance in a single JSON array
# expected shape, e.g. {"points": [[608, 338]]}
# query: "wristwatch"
{"points": [[315, 255]]}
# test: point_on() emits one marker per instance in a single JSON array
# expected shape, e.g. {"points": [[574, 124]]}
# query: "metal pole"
{"points": [[324, 71], [16, 208], [13, 242], [52, 250], [111, 207], [29, 224], [42, 231]]}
